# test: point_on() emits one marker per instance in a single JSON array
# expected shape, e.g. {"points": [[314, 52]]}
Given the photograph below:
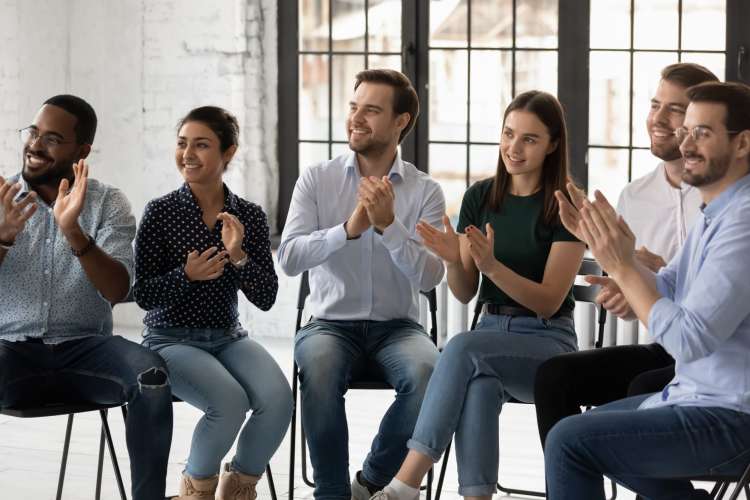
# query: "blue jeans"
{"points": [[477, 372], [99, 369], [332, 353], [644, 450], [225, 374]]}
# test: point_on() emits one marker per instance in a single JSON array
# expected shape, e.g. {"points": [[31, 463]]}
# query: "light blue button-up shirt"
{"points": [[703, 317], [44, 291], [372, 277]]}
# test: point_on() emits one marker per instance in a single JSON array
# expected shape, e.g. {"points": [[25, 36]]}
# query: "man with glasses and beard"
{"points": [[696, 307], [659, 208], [65, 258], [352, 224]]}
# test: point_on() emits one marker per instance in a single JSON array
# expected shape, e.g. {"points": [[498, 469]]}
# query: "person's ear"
{"points": [[229, 154], [552, 146]]}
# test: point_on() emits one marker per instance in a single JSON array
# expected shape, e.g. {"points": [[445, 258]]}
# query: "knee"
{"points": [[563, 437], [459, 347], [230, 406], [275, 400], [416, 376]]}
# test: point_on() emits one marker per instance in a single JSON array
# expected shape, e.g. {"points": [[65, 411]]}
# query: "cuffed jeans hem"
{"points": [[199, 476], [369, 474], [480, 490], [236, 467], [415, 445]]}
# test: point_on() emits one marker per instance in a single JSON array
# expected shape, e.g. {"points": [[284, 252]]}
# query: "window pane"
{"points": [[384, 25], [448, 95], [311, 153], [483, 162], [448, 23], [610, 24], [608, 172], [338, 149], [647, 68], [313, 97], [704, 25], [715, 62], [656, 24], [536, 70], [608, 98], [448, 167], [313, 24], [536, 23], [348, 24], [389, 62], [490, 92], [643, 163], [345, 68], [492, 23]]}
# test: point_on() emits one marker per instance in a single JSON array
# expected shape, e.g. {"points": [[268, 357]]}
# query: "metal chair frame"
{"points": [[364, 383], [582, 294]]}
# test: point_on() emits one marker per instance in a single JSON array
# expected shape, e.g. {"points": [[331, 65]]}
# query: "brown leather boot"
{"points": [[197, 489], [235, 485]]}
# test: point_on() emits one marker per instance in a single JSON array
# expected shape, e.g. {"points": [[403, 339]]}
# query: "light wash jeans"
{"points": [[477, 372], [644, 450], [225, 374], [329, 354]]}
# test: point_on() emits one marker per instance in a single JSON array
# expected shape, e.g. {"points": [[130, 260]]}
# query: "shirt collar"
{"points": [[718, 204], [186, 196], [397, 168]]}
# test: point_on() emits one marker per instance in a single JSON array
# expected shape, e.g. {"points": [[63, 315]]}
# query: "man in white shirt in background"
{"points": [[659, 208]]}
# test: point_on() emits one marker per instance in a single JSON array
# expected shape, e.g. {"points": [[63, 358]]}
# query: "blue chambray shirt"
{"points": [[374, 277], [703, 317], [44, 291]]}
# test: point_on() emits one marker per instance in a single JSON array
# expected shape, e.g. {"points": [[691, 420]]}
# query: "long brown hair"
{"points": [[547, 108]]}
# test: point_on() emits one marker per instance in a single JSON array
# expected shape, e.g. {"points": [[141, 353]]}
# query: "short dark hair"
{"points": [[405, 98], [687, 74], [734, 96], [86, 121], [219, 120]]}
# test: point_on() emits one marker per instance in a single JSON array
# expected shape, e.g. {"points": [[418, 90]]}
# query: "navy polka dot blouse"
{"points": [[172, 226]]}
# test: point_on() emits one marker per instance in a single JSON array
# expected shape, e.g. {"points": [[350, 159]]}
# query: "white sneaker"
{"points": [[359, 490]]}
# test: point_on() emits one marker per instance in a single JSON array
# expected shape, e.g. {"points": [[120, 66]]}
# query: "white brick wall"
{"points": [[142, 65]]}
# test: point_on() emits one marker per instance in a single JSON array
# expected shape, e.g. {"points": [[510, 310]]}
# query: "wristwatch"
{"points": [[83, 251], [239, 263], [6, 245]]}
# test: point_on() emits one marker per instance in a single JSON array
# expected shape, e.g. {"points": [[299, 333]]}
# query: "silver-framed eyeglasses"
{"points": [[49, 141], [698, 133]]}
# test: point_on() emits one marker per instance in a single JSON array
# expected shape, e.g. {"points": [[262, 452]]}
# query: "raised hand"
{"points": [[444, 244], [570, 212], [232, 235], [650, 260], [358, 222], [205, 266], [482, 248], [14, 214], [611, 297], [378, 198], [69, 204]]}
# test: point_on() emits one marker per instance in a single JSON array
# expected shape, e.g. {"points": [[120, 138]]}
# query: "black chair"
{"points": [[581, 293], [269, 476], [363, 383], [70, 409]]}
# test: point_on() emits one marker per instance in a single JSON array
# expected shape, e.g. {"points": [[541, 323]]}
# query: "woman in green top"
{"points": [[528, 263]]}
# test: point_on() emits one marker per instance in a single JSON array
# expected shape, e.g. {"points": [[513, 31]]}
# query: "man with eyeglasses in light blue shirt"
{"points": [[65, 258], [697, 308], [352, 224]]}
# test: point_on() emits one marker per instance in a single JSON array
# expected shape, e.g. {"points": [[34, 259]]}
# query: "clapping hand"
{"points": [[14, 214], [482, 248], [378, 198]]}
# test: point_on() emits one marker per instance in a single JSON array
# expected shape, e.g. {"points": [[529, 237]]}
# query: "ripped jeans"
{"points": [[99, 369]]}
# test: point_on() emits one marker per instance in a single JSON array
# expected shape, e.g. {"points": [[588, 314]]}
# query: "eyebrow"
{"points": [[525, 135], [678, 104], [194, 138], [57, 134], [369, 106]]}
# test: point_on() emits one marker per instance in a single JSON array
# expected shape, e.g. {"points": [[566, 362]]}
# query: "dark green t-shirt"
{"points": [[522, 239]]}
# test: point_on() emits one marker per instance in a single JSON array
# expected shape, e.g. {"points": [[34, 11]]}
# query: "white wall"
{"points": [[143, 64]]}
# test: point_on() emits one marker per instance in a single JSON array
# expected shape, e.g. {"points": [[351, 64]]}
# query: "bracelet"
{"points": [[83, 251], [5, 245]]}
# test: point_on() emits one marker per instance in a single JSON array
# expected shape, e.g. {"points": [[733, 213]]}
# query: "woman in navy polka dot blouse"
{"points": [[195, 248]]}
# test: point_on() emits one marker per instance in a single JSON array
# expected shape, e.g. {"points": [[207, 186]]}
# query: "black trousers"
{"points": [[567, 382]]}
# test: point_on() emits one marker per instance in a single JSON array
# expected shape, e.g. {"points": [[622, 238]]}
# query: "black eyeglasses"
{"points": [[30, 135]]}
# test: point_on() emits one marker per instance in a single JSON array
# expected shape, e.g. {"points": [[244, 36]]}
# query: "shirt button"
{"points": [[48, 240], [45, 303], [46, 271]]}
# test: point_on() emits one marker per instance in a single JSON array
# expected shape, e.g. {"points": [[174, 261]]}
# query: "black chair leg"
{"points": [[430, 476], [64, 460], [100, 466], [742, 484], [112, 455], [443, 467], [271, 486], [293, 433]]}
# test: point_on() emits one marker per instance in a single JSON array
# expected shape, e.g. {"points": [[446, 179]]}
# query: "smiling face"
{"points": [[525, 143], [708, 159], [198, 154], [667, 112], [372, 127], [47, 161]]}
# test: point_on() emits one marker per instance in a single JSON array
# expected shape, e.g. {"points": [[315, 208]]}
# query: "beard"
{"points": [[716, 169], [52, 175], [371, 147], [666, 152]]}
